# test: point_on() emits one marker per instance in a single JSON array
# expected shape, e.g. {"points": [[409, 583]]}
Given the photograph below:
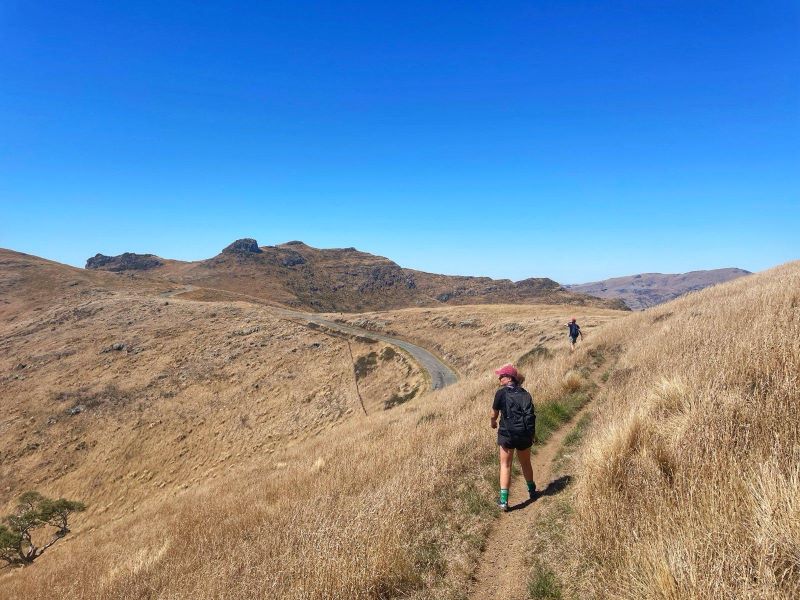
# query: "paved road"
{"points": [[441, 375]]}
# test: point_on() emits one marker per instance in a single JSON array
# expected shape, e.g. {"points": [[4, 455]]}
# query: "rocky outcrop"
{"points": [[127, 261], [244, 246], [291, 258], [538, 284], [383, 277]]}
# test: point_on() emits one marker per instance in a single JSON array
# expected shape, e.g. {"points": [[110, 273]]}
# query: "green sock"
{"points": [[503, 496], [531, 486]]}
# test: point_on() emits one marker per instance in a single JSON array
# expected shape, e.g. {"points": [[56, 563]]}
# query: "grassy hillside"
{"points": [[686, 486], [474, 338], [119, 395], [397, 505], [221, 452], [689, 483]]}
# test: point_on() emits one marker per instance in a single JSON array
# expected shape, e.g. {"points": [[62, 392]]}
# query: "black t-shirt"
{"points": [[574, 329], [500, 404]]}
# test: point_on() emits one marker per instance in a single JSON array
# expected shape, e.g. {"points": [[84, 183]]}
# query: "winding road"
{"points": [[440, 374]]}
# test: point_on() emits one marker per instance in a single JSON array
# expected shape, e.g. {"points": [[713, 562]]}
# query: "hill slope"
{"points": [[689, 483], [687, 489], [115, 393], [648, 289], [345, 279], [222, 453]]}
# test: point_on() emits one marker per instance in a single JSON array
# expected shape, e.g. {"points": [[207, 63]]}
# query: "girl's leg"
{"points": [[506, 456], [524, 457]]}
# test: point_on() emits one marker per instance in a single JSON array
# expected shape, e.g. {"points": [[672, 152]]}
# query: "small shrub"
{"points": [[388, 353], [365, 365], [398, 399]]}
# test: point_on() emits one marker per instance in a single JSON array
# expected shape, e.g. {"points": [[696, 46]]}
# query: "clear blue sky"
{"points": [[575, 140]]}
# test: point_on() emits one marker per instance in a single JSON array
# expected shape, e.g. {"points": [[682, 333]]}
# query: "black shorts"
{"points": [[515, 442], [574, 339]]}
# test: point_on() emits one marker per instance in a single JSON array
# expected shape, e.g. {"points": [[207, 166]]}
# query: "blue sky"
{"points": [[574, 140]]}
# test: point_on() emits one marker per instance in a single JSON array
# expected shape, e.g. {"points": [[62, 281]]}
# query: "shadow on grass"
{"points": [[556, 486], [521, 505]]}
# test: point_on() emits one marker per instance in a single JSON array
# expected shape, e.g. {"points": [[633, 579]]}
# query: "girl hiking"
{"points": [[574, 332], [516, 431]]}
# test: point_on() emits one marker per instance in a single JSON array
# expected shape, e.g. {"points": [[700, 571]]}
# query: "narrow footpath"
{"points": [[502, 572]]}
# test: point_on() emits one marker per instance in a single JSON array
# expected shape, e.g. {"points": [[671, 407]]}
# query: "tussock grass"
{"points": [[689, 486], [543, 584]]}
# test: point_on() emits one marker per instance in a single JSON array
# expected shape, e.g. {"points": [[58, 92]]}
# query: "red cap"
{"points": [[574, 319], [509, 370]]}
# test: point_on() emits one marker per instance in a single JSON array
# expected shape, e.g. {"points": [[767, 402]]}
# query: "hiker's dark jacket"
{"points": [[574, 330]]}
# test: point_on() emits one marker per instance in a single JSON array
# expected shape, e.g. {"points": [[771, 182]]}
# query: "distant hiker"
{"points": [[574, 332], [516, 431]]}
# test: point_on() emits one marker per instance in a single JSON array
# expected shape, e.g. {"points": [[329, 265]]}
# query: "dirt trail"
{"points": [[502, 571]]}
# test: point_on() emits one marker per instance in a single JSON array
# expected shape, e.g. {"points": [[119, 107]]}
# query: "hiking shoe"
{"points": [[503, 506], [534, 493]]}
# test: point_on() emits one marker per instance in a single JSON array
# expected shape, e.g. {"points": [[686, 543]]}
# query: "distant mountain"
{"points": [[338, 279], [648, 289]]}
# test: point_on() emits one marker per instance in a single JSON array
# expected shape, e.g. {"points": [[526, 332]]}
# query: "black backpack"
{"points": [[520, 417]]}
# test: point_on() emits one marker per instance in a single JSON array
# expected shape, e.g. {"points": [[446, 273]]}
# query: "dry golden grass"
{"points": [[375, 510], [689, 485], [255, 502], [195, 388], [475, 338]]}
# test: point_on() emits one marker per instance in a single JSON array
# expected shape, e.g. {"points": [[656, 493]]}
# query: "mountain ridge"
{"points": [[644, 290], [338, 279]]}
